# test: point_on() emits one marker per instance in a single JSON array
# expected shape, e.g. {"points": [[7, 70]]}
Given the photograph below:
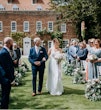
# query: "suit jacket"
{"points": [[6, 66], [33, 57], [82, 54], [73, 52]]}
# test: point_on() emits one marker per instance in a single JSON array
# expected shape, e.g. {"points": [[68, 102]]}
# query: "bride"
{"points": [[54, 82]]}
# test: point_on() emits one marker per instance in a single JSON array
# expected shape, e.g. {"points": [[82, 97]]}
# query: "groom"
{"points": [[37, 58]]}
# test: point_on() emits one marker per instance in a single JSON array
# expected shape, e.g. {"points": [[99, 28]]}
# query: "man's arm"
{"points": [[45, 56], [3, 80], [84, 56]]}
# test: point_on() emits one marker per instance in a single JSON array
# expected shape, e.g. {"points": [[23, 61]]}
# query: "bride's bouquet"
{"points": [[59, 57], [92, 57]]}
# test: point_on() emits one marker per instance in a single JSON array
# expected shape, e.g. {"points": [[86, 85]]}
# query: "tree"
{"points": [[18, 37], [77, 11]]}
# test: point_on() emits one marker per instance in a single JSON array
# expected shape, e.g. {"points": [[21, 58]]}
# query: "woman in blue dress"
{"points": [[92, 65]]}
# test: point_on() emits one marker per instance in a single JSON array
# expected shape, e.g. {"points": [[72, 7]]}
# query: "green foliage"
{"points": [[55, 34], [82, 10], [58, 35], [43, 32], [18, 36]]}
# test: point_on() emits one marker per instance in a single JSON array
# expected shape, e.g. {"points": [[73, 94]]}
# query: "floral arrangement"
{"points": [[79, 76], [67, 68], [93, 90], [92, 57], [22, 70], [59, 57], [24, 65], [20, 73], [18, 78]]}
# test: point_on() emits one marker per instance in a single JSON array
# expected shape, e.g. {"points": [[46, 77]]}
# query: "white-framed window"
{"points": [[63, 27], [15, 8], [65, 42], [60, 2], [49, 44], [13, 26], [1, 42], [2, 7], [26, 26], [50, 26], [1, 26], [34, 1], [39, 26]]}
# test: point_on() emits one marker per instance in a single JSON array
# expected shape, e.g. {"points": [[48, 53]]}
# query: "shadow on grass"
{"points": [[44, 101], [72, 91], [32, 103]]}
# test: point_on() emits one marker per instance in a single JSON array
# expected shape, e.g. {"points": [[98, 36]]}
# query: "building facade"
{"points": [[30, 16]]}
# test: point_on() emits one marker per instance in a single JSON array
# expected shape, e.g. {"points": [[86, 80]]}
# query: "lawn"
{"points": [[72, 98]]}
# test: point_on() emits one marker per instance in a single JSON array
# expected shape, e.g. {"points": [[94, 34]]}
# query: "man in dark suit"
{"points": [[6, 72], [37, 58]]}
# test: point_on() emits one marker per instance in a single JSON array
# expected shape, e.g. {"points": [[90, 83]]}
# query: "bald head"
{"points": [[8, 42]]}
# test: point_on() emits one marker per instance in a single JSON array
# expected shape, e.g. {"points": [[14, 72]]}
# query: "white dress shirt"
{"points": [[37, 49]]}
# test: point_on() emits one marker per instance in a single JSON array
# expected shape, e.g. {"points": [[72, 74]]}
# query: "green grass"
{"points": [[72, 98]]}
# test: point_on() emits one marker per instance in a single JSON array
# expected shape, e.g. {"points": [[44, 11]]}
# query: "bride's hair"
{"points": [[55, 40]]}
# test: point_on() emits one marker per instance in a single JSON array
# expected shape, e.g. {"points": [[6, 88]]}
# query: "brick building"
{"points": [[29, 16]]}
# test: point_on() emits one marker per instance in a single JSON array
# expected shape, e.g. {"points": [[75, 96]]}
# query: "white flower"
{"points": [[92, 57], [93, 90], [59, 57], [16, 72]]}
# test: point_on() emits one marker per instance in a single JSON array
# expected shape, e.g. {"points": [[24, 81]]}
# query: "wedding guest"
{"points": [[17, 54], [73, 52], [6, 72], [82, 53], [67, 52], [90, 44], [54, 82], [37, 58], [92, 64]]}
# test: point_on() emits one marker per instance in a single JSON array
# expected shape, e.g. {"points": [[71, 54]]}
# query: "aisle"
{"points": [[73, 97]]}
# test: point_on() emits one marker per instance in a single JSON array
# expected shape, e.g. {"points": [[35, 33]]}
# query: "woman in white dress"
{"points": [[54, 82]]}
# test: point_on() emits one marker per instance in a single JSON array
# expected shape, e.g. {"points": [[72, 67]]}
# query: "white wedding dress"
{"points": [[54, 81]]}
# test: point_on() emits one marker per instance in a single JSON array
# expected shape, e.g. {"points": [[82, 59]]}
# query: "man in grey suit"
{"points": [[73, 51]]}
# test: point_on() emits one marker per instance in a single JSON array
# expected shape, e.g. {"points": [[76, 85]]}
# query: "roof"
{"points": [[25, 5]]}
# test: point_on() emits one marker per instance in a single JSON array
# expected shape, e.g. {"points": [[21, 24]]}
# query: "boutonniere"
{"points": [[41, 51]]}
